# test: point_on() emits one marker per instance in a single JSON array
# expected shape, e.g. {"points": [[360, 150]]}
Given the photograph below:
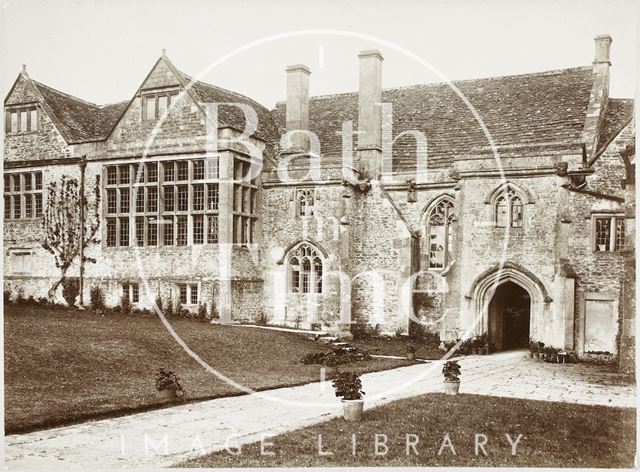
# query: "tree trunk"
{"points": [[52, 291]]}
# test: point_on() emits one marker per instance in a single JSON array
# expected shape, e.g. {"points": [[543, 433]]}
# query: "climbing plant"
{"points": [[62, 224]]}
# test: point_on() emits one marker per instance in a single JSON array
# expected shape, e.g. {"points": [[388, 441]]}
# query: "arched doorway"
{"points": [[509, 317]]}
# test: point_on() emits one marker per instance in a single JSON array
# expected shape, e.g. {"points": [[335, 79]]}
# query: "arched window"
{"points": [[440, 233], [305, 202], [305, 270], [509, 209]]}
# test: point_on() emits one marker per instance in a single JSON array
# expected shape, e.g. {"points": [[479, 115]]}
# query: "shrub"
{"points": [[168, 310], [180, 310], [336, 357], [19, 296], [70, 290], [361, 330], [348, 386], [7, 296], [96, 296], [451, 371], [167, 380], [159, 303], [202, 312], [125, 305], [261, 319], [419, 332]]}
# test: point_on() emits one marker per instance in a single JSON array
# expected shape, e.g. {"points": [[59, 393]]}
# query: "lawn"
{"points": [[67, 365], [553, 435]]}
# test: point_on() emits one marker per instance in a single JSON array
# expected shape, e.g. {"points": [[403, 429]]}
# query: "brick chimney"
{"points": [[370, 113], [599, 94], [298, 103]]}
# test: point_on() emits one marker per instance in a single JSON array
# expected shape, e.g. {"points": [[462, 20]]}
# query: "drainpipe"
{"points": [[83, 166]]}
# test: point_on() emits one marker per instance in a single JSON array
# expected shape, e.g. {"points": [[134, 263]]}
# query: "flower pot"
{"points": [[451, 387], [352, 409], [411, 356], [168, 394]]}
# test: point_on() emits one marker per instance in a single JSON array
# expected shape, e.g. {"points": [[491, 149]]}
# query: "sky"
{"points": [[101, 50]]}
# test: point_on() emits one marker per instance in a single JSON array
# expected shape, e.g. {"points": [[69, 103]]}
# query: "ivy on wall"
{"points": [[63, 226]]}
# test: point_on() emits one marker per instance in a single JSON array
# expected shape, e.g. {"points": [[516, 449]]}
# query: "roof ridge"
{"points": [[458, 81]]}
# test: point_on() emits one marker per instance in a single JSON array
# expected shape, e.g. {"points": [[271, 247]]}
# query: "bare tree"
{"points": [[65, 234]]}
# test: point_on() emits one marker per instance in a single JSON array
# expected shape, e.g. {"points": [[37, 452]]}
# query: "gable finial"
{"points": [[164, 52], [24, 68]]}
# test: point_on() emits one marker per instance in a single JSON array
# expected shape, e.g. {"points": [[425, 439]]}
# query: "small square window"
{"points": [[181, 231], [169, 171], [167, 225], [24, 120], [17, 182], [183, 170], [111, 232], [124, 174], [152, 199], [38, 205], [183, 293], [152, 172], [34, 119], [193, 294], [150, 107], [125, 204], [14, 122], [112, 175], [198, 170]]}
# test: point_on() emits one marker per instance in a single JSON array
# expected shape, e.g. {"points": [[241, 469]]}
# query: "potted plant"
{"points": [[411, 352], [168, 385], [348, 387], [451, 372], [483, 349]]}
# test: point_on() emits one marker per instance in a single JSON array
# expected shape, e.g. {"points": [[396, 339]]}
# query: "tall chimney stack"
{"points": [[599, 94], [603, 49], [370, 113], [298, 104]]}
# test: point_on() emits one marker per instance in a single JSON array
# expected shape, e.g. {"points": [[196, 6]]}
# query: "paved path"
{"points": [[168, 436]]}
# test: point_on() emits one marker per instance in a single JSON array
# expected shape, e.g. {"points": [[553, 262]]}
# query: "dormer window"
{"points": [[155, 104], [21, 119]]}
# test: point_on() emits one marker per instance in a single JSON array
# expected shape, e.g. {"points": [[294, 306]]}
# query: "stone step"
{"points": [[327, 339]]}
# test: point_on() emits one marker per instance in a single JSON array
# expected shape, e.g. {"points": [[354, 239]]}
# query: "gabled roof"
{"points": [[529, 109], [80, 121], [618, 113], [233, 116]]}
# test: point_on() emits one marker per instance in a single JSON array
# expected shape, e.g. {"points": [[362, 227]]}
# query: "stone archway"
{"points": [[488, 284], [509, 317]]}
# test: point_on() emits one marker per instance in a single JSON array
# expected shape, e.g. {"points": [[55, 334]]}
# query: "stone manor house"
{"points": [[522, 233]]}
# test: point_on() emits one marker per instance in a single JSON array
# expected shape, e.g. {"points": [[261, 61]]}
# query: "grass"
{"points": [[553, 435], [67, 365]]}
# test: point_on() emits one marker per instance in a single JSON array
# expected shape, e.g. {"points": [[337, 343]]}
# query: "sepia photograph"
{"points": [[319, 234]]}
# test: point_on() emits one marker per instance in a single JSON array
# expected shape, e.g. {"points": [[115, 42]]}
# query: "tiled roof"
{"points": [[233, 116], [78, 120], [529, 109], [619, 112]]}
